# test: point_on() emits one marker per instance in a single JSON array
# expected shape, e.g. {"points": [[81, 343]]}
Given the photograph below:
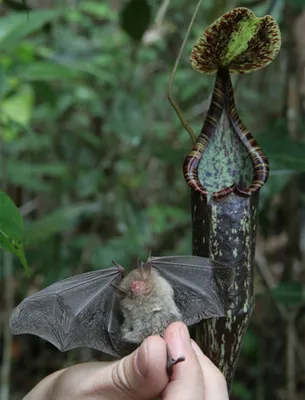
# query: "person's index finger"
{"points": [[187, 380], [215, 386]]}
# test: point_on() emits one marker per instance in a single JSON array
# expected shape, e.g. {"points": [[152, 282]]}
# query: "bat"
{"points": [[113, 313]]}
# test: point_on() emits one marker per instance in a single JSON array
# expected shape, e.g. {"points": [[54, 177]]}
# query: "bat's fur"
{"points": [[147, 303]]}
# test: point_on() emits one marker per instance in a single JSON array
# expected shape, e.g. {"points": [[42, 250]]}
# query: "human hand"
{"points": [[141, 375]]}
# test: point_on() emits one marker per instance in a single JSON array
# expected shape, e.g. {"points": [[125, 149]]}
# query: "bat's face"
{"points": [[138, 283]]}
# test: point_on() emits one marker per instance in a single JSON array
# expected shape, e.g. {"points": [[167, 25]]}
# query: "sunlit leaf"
{"points": [[18, 108]]}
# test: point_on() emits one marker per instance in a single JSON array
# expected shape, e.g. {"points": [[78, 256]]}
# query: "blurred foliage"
{"points": [[92, 151], [290, 293]]}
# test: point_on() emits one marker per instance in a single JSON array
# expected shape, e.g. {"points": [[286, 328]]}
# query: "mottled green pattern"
{"points": [[240, 38], [225, 161]]}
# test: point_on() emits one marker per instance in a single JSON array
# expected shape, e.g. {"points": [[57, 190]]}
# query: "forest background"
{"points": [[92, 153]]}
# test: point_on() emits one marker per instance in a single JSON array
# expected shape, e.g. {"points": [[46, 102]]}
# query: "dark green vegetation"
{"points": [[92, 152]]}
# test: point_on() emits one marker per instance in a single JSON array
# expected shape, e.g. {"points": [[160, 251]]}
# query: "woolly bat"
{"points": [[109, 312]]}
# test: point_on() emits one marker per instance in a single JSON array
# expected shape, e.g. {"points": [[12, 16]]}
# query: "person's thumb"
{"points": [[142, 374]]}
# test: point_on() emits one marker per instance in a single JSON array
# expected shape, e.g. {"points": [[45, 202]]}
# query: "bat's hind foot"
{"points": [[171, 362]]}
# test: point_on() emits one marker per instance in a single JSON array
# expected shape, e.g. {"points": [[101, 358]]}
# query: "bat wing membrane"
{"points": [[200, 285], [80, 311]]}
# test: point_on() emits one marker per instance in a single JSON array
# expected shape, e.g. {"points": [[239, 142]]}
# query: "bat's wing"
{"points": [[81, 311], [200, 285]]}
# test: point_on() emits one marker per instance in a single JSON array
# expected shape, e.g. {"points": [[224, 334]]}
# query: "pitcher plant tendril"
{"points": [[225, 170]]}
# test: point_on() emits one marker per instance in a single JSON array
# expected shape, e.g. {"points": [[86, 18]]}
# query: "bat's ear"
{"points": [[146, 270]]}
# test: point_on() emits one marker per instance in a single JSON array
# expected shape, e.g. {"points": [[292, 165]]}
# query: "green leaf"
{"points": [[165, 217], [290, 293], [297, 3], [98, 10], [283, 153], [241, 391], [277, 182], [250, 344], [135, 18], [31, 176], [17, 26], [45, 71], [12, 229], [61, 220], [18, 108], [4, 84], [32, 143], [11, 223]]}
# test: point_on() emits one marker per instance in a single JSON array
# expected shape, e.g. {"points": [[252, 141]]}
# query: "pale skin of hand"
{"points": [[141, 375]]}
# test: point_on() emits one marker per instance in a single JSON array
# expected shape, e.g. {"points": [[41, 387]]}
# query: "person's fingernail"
{"points": [[141, 358], [184, 333]]}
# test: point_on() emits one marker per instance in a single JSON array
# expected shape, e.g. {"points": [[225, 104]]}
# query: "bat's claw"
{"points": [[171, 362]]}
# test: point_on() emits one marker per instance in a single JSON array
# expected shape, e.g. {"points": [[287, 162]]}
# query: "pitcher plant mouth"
{"points": [[221, 179]]}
